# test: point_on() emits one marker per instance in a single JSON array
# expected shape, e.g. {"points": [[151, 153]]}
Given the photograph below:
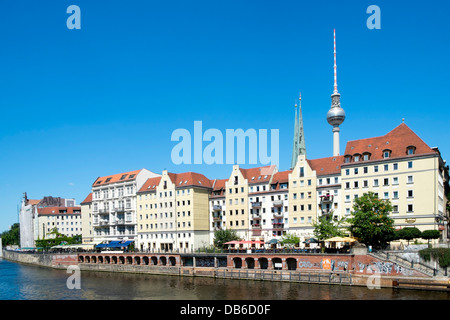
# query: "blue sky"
{"points": [[105, 99]]}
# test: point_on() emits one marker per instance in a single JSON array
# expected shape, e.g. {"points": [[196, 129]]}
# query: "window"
{"points": [[410, 179], [366, 156], [386, 182], [410, 194], [410, 164], [386, 167], [394, 180], [386, 195], [347, 185], [365, 184], [356, 185], [395, 166], [411, 150], [356, 158], [302, 172], [366, 169], [386, 154], [395, 208], [410, 208], [375, 168], [347, 172], [375, 182], [395, 196], [356, 170]]}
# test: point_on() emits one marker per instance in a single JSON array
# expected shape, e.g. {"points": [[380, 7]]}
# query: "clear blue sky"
{"points": [[78, 104]]}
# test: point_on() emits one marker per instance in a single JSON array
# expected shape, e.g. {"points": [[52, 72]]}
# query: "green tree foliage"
{"points": [[11, 237], [223, 236], [430, 235], [442, 255], [408, 233], [60, 240], [370, 220], [290, 240], [326, 228]]}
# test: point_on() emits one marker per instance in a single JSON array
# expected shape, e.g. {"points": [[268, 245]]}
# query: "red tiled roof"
{"points": [[33, 202], [88, 199], [189, 179], [219, 184], [281, 177], [126, 176], [326, 166], [180, 180], [150, 184], [258, 175], [396, 141], [55, 210]]}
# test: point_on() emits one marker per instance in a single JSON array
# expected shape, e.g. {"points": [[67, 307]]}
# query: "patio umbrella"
{"points": [[336, 239]]}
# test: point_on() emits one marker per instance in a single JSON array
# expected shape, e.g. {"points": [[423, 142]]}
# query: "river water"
{"points": [[25, 282]]}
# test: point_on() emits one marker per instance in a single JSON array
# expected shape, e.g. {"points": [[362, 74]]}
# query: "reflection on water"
{"points": [[23, 282]]}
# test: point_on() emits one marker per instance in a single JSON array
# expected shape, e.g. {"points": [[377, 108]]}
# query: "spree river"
{"points": [[25, 282]]}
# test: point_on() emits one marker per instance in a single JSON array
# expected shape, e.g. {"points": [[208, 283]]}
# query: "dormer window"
{"points": [[366, 156], [386, 153], [356, 157], [347, 159], [411, 150]]}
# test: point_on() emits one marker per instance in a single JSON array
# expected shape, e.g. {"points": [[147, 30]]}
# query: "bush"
{"points": [[442, 255]]}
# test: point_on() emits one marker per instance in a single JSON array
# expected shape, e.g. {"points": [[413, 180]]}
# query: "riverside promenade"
{"points": [[366, 269]]}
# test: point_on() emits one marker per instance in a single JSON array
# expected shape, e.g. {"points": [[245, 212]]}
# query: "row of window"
{"points": [[113, 192], [395, 196], [387, 153], [376, 182], [377, 168], [166, 225]]}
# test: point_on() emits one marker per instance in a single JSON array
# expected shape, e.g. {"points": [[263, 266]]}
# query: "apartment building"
{"points": [[173, 212], [328, 171], [87, 233], [64, 220], [302, 198], [217, 206], [402, 168], [114, 205]]}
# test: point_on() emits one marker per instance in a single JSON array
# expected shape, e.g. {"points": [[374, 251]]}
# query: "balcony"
{"points": [[326, 198], [256, 216], [217, 207], [278, 203], [278, 214], [256, 204], [217, 217], [256, 226], [278, 225], [103, 211], [120, 209]]}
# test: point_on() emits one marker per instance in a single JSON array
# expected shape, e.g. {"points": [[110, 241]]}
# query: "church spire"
{"points": [[299, 138]]}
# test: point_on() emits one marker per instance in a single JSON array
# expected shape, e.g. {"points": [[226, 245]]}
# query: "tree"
{"points": [[326, 228], [290, 240], [430, 234], [409, 233], [370, 220], [11, 237], [223, 236]]}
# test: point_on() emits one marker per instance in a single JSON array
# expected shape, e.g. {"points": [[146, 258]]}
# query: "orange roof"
{"points": [[33, 202], [397, 141], [258, 175], [326, 166], [150, 184], [56, 210], [190, 178], [219, 184], [126, 176], [281, 177], [88, 199], [180, 180]]}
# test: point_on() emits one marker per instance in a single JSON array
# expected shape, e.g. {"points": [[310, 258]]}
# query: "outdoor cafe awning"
{"points": [[340, 239], [235, 242], [115, 244]]}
